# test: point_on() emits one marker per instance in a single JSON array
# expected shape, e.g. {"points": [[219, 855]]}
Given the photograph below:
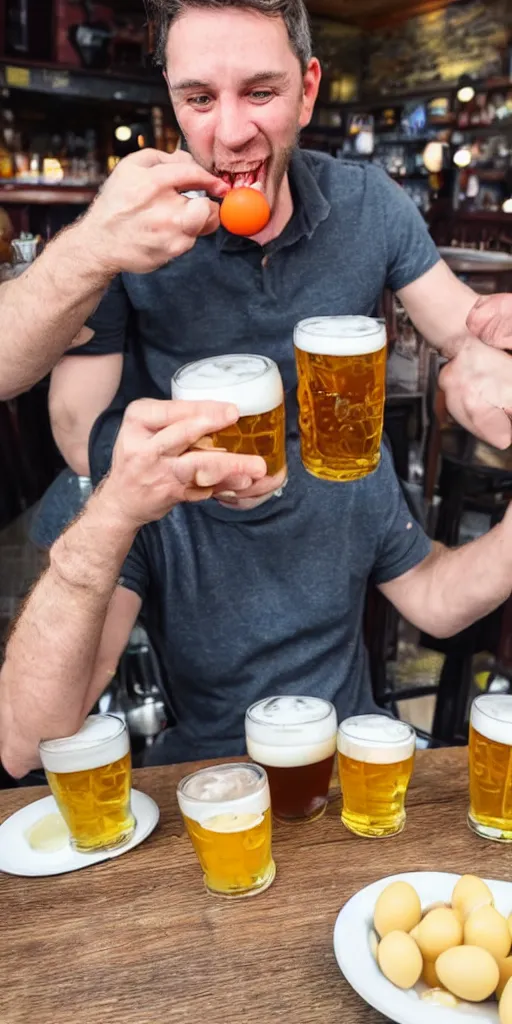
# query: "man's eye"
{"points": [[199, 101], [261, 95]]}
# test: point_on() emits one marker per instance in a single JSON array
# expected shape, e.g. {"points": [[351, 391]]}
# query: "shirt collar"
{"points": [[310, 208]]}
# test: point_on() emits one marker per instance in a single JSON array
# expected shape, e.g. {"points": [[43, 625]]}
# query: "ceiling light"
{"points": [[507, 205], [123, 133], [462, 158]]}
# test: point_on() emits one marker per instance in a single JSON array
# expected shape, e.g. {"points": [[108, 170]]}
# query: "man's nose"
{"points": [[234, 128]]}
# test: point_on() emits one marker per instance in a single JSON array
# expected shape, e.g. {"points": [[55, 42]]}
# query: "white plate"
{"points": [[18, 858], [355, 960]]}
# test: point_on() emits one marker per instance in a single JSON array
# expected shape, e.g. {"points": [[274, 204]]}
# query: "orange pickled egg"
{"points": [[244, 211]]}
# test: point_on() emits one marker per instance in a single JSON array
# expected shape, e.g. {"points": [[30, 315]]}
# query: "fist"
{"points": [[491, 320], [140, 220], [478, 387], [160, 459]]}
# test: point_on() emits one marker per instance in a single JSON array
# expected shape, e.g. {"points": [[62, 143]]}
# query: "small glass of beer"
{"points": [[490, 767], [252, 383], [294, 738], [226, 809], [375, 761], [90, 776], [341, 366]]}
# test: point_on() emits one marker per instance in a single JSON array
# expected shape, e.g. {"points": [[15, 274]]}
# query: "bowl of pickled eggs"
{"points": [[429, 946]]}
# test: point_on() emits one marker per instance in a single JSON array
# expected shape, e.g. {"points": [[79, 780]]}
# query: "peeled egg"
{"points": [[510, 925], [505, 969], [438, 997], [469, 893], [505, 1007], [374, 943], [400, 959], [486, 928], [439, 930], [468, 972], [429, 974], [398, 908], [414, 932]]}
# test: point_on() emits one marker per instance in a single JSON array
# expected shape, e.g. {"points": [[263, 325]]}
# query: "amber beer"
{"points": [[294, 738], [252, 383], [490, 767], [226, 810], [375, 761], [90, 776], [341, 366]]}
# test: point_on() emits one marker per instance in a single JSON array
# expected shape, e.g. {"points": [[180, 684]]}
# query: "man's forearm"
{"points": [[51, 654], [455, 587], [43, 310]]}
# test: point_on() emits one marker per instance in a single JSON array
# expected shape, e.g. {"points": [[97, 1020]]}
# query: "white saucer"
{"points": [[355, 959], [18, 858]]}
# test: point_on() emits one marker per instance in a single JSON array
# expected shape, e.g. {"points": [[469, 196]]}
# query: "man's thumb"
{"points": [[195, 215]]}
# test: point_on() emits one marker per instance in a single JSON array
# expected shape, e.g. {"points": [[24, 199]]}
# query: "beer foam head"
{"points": [[340, 335], [288, 732], [376, 739], [102, 740], [491, 716], [251, 382], [222, 789]]}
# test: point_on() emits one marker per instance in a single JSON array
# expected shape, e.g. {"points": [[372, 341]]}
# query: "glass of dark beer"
{"points": [[294, 739]]}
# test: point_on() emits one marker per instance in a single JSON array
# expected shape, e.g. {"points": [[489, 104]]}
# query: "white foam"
{"points": [[340, 335], [224, 789], [102, 740], [376, 739], [251, 382], [491, 716], [289, 731]]}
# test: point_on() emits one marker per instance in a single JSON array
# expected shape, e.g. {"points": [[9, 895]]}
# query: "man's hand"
{"points": [[478, 387], [140, 220], [491, 320], [156, 465]]}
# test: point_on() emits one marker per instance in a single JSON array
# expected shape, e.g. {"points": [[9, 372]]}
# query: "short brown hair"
{"points": [[293, 12]]}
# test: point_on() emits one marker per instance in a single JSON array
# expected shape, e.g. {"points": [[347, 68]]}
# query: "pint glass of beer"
{"points": [[294, 738], [226, 810], [490, 767], [375, 761], [252, 383], [90, 776], [341, 366]]}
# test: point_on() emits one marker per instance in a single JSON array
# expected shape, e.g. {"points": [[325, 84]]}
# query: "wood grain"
{"points": [[138, 941]]}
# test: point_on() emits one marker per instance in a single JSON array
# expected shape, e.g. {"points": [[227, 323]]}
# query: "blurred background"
{"points": [[422, 88]]}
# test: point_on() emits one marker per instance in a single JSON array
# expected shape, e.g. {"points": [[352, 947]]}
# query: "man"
{"points": [[243, 83], [137, 223], [248, 603], [250, 596]]}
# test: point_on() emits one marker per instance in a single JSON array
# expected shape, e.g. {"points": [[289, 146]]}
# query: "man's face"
{"points": [[239, 94]]}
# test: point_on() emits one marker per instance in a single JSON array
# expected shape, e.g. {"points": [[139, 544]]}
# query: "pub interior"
{"points": [[422, 91]]}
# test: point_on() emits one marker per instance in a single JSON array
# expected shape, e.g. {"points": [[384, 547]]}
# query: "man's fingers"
{"points": [[209, 469], [157, 415], [151, 158], [491, 320]]}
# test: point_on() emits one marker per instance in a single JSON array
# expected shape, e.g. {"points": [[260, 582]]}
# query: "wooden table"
{"points": [[138, 941]]}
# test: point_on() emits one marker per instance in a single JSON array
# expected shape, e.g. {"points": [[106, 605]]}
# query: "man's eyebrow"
{"points": [[261, 76]]}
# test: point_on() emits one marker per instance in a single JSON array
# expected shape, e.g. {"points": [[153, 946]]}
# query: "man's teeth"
{"points": [[240, 179]]}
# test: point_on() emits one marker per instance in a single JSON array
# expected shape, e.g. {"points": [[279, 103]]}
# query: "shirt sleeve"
{"points": [[411, 251], [109, 323], [135, 574], [403, 543]]}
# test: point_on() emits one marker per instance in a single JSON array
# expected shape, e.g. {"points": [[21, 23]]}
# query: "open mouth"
{"points": [[244, 177]]}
